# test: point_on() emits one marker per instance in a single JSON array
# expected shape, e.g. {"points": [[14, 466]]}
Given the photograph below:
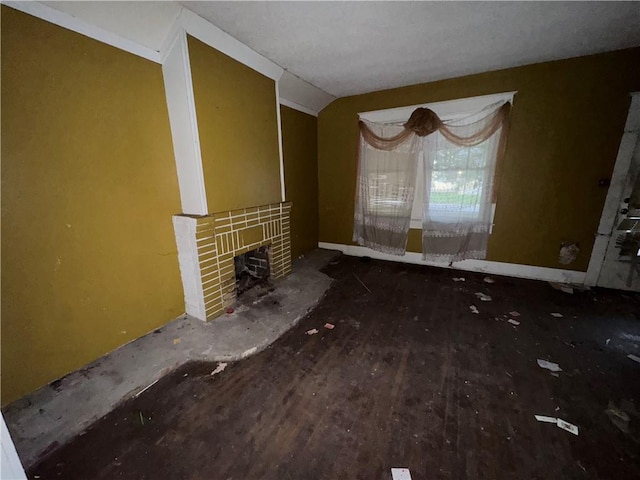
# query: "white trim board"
{"points": [[186, 20], [176, 73], [458, 107], [77, 25], [283, 193], [482, 266], [10, 465], [204, 31], [297, 106]]}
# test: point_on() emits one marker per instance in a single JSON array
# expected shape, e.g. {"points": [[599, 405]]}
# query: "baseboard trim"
{"points": [[483, 266]]}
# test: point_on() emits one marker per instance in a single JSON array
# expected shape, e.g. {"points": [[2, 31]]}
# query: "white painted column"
{"points": [[178, 86], [185, 230], [10, 465], [283, 193]]}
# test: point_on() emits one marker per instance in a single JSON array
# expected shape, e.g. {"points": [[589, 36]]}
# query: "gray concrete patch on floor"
{"points": [[49, 417]]}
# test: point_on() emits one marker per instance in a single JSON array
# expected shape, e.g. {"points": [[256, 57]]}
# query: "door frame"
{"points": [[614, 194]]}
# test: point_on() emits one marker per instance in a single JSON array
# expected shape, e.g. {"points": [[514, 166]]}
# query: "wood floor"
{"points": [[409, 377]]}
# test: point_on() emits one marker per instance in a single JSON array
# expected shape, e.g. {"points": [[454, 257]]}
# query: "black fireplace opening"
{"points": [[252, 268]]}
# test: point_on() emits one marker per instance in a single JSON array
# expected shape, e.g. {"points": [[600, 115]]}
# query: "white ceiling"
{"points": [[348, 48]]}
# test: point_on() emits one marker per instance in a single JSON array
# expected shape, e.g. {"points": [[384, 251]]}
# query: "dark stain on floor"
{"points": [[409, 377]]}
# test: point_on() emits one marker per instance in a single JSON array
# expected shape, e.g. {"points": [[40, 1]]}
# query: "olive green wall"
{"points": [[88, 190], [300, 152], [238, 127], [567, 121]]}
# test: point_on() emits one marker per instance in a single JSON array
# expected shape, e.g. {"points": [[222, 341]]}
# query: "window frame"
{"points": [[446, 110]]}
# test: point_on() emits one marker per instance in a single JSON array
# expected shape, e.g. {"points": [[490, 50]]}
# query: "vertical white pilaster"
{"points": [[178, 86], [185, 230], [283, 193]]}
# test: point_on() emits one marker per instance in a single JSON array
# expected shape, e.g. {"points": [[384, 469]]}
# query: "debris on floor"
{"points": [[483, 297], [329, 326], [556, 314], [618, 417], [561, 287], [634, 357], [473, 309], [176, 341], [514, 314], [220, 368], [400, 474], [313, 331], [553, 367], [459, 279], [569, 427], [544, 418], [362, 283], [230, 311], [489, 280], [513, 322], [145, 389], [607, 342]]}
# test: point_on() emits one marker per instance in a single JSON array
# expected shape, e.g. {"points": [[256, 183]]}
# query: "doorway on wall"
{"points": [[615, 261]]}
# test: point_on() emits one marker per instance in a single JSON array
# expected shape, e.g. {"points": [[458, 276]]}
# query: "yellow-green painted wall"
{"points": [[88, 190], [238, 128], [300, 152], [566, 124]]}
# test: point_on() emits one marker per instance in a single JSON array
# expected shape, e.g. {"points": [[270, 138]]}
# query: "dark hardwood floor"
{"points": [[409, 377]]}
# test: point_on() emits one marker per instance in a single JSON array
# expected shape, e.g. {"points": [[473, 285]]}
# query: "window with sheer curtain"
{"points": [[441, 181]]}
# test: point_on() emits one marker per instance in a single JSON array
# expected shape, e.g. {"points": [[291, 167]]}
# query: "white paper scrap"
{"points": [[513, 322], [554, 367], [556, 314], [473, 309], [544, 418], [633, 357], [400, 474], [483, 297], [461, 279], [313, 331], [489, 280], [220, 368], [567, 426]]}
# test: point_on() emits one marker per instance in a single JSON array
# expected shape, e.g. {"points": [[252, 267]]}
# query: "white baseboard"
{"points": [[483, 266]]}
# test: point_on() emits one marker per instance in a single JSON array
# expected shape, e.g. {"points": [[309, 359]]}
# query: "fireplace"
{"points": [[208, 244], [252, 268]]}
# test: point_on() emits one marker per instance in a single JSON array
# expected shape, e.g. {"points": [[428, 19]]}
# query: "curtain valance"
{"points": [[424, 121]]}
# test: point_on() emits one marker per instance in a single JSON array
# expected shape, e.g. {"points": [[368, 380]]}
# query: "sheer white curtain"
{"points": [[385, 190], [459, 188]]}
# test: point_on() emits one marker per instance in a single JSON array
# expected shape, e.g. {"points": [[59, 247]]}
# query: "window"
{"points": [[459, 183]]}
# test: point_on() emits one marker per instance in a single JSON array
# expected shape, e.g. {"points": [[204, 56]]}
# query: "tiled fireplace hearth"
{"points": [[208, 244]]}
